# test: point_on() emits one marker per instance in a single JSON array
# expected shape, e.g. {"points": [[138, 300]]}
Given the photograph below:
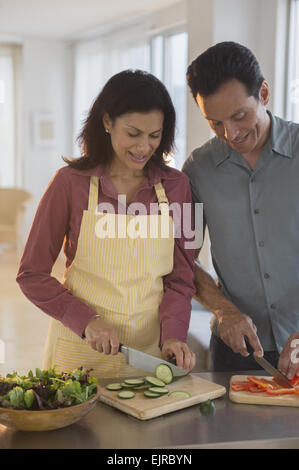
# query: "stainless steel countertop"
{"points": [[232, 426]]}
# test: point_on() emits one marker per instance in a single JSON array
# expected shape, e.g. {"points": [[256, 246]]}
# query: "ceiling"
{"points": [[69, 19]]}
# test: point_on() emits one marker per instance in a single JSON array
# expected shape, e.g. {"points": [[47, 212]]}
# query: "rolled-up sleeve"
{"points": [[175, 308], [45, 240]]}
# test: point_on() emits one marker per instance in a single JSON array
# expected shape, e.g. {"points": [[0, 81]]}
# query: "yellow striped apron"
{"points": [[121, 278]]}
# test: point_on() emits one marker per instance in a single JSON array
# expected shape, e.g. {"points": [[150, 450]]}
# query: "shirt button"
{"points": [[273, 306], [261, 243], [266, 276], [256, 211]]}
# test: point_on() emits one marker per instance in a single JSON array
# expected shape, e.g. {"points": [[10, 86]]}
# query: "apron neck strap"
{"points": [[160, 192], [93, 193]]}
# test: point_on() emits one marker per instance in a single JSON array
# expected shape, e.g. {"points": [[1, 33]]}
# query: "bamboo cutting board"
{"points": [[144, 408], [260, 398]]}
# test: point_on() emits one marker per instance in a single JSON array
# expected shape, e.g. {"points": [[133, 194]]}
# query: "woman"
{"points": [[134, 290]]}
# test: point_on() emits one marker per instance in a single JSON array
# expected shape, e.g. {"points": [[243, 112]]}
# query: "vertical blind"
{"points": [[293, 82], [7, 117]]}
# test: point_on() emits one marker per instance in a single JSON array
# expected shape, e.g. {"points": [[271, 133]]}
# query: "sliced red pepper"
{"points": [[295, 381], [239, 387], [262, 383], [254, 389], [282, 391]]}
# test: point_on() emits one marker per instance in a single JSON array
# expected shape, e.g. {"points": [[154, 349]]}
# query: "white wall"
{"points": [[47, 86]]}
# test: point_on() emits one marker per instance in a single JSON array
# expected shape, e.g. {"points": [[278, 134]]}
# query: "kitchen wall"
{"points": [[47, 86]]}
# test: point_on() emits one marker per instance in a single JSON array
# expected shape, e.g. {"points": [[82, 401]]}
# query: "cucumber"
{"points": [[124, 385], [164, 373], [134, 382], [126, 394], [151, 394], [155, 381], [180, 394], [114, 386], [207, 407], [141, 387], [159, 390]]}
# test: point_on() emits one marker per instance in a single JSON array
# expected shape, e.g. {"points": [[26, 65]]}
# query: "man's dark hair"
{"points": [[223, 62]]}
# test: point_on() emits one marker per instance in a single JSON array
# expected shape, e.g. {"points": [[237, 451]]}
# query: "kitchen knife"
{"points": [[144, 361], [272, 371]]}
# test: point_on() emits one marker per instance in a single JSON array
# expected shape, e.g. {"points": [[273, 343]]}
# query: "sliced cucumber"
{"points": [[180, 394], [141, 387], [164, 373], [126, 394], [154, 381], [159, 390], [115, 386], [149, 394], [124, 385], [134, 382]]}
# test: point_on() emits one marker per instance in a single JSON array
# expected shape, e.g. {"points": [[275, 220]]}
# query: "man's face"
{"points": [[239, 119]]}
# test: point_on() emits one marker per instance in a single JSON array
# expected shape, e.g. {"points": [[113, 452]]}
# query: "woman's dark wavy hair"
{"points": [[221, 63], [126, 92]]}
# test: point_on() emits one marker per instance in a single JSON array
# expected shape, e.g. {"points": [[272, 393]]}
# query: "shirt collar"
{"points": [[279, 137]]}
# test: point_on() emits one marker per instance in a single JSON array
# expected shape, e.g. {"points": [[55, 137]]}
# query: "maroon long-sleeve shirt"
{"points": [[57, 223]]}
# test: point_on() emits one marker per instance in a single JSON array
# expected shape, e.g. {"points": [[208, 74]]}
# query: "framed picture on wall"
{"points": [[43, 129]]}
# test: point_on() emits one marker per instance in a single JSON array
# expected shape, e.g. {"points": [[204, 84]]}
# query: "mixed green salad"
{"points": [[46, 390]]}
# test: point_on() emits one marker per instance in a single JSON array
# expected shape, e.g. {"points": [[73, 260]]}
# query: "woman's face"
{"points": [[134, 137]]}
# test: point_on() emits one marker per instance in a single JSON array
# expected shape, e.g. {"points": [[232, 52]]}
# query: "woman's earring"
{"points": [[106, 130]]}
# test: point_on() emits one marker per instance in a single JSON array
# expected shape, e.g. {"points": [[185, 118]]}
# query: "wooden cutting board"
{"points": [[144, 408], [260, 398]]}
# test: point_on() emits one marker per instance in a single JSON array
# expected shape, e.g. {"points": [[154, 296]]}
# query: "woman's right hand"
{"points": [[101, 336]]}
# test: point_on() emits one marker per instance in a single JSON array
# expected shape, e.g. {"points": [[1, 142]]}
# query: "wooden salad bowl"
{"points": [[46, 420]]}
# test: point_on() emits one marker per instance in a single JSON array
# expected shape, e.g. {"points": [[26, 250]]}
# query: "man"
{"points": [[247, 178]]}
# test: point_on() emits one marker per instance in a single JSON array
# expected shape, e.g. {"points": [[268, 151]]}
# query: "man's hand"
{"points": [[287, 361], [234, 327], [185, 358], [101, 336]]}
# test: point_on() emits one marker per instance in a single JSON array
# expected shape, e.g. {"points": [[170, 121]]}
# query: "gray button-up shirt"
{"points": [[253, 222]]}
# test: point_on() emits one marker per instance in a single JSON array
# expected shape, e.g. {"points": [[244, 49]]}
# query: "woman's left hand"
{"points": [[185, 358]]}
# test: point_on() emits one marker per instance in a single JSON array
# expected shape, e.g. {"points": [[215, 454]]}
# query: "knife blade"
{"points": [[272, 371], [144, 361]]}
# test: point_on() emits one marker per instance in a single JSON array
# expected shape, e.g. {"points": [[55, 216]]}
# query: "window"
{"points": [[7, 118], [293, 73], [165, 51]]}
